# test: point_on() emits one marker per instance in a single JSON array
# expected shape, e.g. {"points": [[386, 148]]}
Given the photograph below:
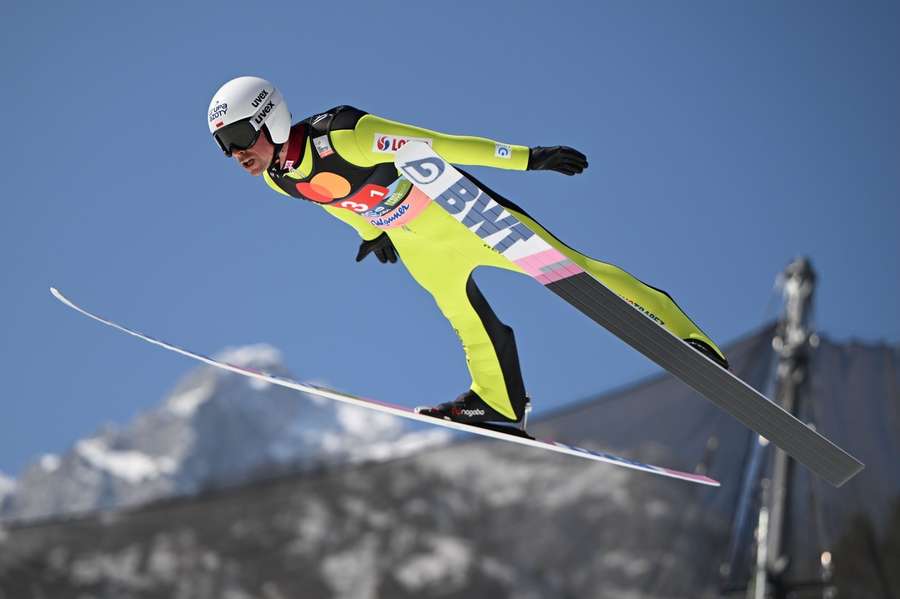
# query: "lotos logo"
{"points": [[383, 143], [262, 114], [260, 97], [218, 111], [388, 144]]}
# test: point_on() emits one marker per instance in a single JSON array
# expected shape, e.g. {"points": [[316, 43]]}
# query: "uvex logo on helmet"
{"points": [[260, 97], [263, 113]]}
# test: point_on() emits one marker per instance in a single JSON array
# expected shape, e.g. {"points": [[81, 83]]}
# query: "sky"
{"points": [[724, 139]]}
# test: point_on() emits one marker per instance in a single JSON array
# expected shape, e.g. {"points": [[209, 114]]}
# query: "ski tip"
{"points": [[696, 478], [58, 295], [859, 467]]}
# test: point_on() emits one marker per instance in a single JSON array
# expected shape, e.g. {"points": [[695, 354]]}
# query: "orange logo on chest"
{"points": [[324, 188]]}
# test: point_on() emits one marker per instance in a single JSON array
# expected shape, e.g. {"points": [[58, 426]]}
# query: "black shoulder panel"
{"points": [[345, 117]]}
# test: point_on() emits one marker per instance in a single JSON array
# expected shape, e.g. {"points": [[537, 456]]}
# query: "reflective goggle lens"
{"points": [[239, 135]]}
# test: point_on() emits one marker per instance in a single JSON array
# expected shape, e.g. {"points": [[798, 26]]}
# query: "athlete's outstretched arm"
{"points": [[375, 137]]}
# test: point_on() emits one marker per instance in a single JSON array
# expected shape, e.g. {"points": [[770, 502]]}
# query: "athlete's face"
{"points": [[257, 157]]}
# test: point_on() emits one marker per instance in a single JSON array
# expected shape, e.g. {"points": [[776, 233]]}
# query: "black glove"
{"points": [[561, 159], [381, 245]]}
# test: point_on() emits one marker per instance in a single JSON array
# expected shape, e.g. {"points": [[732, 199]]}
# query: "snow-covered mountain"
{"points": [[214, 429], [476, 518], [484, 518], [7, 487]]}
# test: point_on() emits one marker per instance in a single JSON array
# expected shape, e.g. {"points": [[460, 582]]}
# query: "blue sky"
{"points": [[724, 140]]}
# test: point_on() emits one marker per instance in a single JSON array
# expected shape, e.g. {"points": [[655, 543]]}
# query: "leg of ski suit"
{"points": [[440, 253], [655, 302]]}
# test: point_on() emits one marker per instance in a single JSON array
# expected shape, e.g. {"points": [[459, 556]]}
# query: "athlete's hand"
{"points": [[561, 159], [381, 245]]}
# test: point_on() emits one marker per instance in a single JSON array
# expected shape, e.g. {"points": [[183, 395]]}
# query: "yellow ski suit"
{"points": [[343, 160]]}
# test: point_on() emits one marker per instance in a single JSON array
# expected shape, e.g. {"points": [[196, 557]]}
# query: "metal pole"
{"points": [[792, 342]]}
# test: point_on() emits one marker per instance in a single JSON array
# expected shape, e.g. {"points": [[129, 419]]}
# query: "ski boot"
{"points": [[707, 351], [470, 409]]}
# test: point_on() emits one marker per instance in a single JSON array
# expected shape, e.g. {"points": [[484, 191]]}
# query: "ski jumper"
{"points": [[343, 160]]}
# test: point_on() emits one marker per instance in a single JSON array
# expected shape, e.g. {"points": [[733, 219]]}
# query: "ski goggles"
{"points": [[239, 135]]}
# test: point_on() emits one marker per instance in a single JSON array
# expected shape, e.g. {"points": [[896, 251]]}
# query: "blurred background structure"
{"points": [[278, 496]]}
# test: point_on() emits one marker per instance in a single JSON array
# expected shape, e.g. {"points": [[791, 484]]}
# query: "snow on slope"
{"points": [[7, 486]]}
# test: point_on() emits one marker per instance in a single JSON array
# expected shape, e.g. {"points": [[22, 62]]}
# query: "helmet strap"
{"points": [[274, 163]]}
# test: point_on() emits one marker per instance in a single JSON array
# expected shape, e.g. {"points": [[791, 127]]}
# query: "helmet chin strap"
{"points": [[274, 162]]}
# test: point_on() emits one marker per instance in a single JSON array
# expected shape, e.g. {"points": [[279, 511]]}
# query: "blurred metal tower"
{"points": [[793, 341]]}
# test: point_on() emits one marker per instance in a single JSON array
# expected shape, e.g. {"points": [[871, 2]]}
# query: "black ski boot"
{"points": [[468, 408], [707, 351]]}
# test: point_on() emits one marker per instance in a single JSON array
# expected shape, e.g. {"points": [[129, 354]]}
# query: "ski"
{"points": [[475, 209], [514, 436]]}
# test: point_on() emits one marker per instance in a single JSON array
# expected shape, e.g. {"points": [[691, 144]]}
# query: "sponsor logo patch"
{"points": [[389, 144], [367, 200], [466, 412], [323, 146], [260, 97], [469, 205], [218, 112], [395, 198], [263, 112], [646, 312], [388, 220], [424, 170], [503, 151]]}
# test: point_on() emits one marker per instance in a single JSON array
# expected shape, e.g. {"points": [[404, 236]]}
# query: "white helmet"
{"points": [[242, 108]]}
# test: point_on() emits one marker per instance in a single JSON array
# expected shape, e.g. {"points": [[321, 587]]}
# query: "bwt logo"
{"points": [[469, 205]]}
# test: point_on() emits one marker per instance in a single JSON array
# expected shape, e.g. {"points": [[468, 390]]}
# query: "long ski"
{"points": [[396, 410], [482, 215]]}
